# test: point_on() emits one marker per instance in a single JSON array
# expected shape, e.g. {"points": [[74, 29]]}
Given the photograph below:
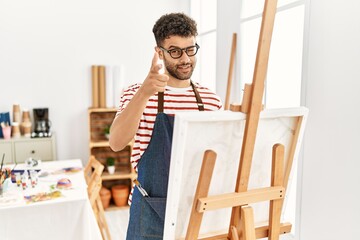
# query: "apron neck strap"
{"points": [[160, 102], [197, 96]]}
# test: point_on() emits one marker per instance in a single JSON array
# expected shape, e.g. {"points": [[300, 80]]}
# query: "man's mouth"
{"points": [[184, 67]]}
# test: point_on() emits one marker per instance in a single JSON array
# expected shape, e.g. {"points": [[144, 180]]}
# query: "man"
{"points": [[147, 112]]}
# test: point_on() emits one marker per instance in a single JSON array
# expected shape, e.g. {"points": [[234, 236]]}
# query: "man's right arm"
{"points": [[125, 125]]}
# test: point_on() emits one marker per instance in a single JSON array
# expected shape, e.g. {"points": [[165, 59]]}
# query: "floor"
{"points": [[118, 222]]}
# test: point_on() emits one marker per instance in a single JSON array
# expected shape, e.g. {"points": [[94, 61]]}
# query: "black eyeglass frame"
{"points": [[182, 50]]}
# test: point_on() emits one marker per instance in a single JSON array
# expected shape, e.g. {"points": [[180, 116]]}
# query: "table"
{"points": [[67, 217]]}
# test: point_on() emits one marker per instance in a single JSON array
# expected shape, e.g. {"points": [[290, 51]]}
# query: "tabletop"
{"points": [[48, 210]]}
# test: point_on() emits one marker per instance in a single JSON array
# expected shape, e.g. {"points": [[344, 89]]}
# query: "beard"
{"points": [[174, 70]]}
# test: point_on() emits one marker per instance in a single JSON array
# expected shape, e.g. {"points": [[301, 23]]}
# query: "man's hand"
{"points": [[155, 81]]}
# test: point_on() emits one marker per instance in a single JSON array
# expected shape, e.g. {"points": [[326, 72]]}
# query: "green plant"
{"points": [[110, 161], [107, 129]]}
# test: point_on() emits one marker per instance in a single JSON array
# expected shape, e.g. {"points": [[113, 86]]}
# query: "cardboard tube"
{"points": [[95, 86], [102, 87], [109, 87]]}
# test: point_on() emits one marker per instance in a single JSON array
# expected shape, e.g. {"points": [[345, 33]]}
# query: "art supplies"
{"points": [[141, 189]]}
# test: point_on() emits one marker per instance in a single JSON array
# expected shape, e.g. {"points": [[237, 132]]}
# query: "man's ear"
{"points": [[160, 52]]}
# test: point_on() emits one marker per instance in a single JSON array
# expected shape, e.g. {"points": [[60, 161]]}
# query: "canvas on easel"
{"points": [[223, 132]]}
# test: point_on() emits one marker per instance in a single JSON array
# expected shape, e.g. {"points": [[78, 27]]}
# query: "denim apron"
{"points": [[147, 214]]}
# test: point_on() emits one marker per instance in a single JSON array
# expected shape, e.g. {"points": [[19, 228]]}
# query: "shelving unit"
{"points": [[99, 118]]}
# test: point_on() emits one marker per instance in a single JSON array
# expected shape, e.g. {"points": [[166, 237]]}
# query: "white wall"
{"points": [[330, 207], [47, 48]]}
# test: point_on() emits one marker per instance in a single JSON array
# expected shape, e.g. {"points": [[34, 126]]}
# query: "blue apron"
{"points": [[147, 214]]}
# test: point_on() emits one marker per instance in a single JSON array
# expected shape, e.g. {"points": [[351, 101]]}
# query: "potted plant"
{"points": [[110, 163], [107, 131]]}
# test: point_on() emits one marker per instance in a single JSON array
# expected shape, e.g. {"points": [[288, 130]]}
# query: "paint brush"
{"points": [[141, 189], [2, 163]]}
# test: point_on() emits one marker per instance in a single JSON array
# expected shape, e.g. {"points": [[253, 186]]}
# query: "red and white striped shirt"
{"points": [[175, 100]]}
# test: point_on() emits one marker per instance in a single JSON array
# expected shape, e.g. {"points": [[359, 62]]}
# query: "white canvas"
{"points": [[222, 131]]}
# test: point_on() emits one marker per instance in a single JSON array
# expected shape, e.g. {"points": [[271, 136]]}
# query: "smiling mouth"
{"points": [[184, 67]]}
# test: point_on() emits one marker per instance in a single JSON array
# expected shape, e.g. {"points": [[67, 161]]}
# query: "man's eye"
{"points": [[175, 51], [191, 50]]}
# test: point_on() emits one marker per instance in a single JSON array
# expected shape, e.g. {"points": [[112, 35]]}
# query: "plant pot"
{"points": [[111, 169], [120, 194], [105, 195]]}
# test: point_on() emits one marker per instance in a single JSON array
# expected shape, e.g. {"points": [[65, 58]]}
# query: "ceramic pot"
{"points": [[111, 169], [105, 195], [120, 194]]}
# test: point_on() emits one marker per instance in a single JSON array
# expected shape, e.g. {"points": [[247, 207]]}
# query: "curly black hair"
{"points": [[174, 24]]}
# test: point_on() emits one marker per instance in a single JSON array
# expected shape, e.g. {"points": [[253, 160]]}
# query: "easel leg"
{"points": [[276, 180], [247, 223], [202, 190]]}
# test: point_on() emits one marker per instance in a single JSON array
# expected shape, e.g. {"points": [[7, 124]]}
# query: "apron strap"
{"points": [[160, 102], [199, 102], [198, 98]]}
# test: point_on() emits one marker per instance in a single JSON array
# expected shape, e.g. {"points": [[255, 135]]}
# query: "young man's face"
{"points": [[182, 67]]}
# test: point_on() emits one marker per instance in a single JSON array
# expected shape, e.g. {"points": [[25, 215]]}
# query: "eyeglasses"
{"points": [[176, 53]]}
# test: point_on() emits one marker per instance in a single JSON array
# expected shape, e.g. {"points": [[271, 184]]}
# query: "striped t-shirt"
{"points": [[175, 100]]}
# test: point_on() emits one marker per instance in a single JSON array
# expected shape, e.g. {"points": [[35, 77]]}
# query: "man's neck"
{"points": [[178, 83]]}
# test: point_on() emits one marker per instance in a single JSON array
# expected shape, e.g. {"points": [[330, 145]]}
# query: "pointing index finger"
{"points": [[154, 63]]}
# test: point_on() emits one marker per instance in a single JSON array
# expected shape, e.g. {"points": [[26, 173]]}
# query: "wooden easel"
{"points": [[231, 71], [242, 220]]}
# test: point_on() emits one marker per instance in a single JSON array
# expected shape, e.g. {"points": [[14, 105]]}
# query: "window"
{"points": [[283, 83], [204, 13]]}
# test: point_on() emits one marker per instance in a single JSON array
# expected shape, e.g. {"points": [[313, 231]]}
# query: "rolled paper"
{"points": [[109, 88], [95, 86], [102, 87]]}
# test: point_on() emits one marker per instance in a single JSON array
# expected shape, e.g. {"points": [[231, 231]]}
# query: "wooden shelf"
{"points": [[98, 144], [99, 118], [99, 110], [117, 176]]}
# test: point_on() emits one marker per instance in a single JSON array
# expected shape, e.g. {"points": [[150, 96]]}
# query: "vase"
{"points": [[111, 169], [105, 195], [120, 194]]}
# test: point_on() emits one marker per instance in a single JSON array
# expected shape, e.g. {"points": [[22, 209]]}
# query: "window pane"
{"points": [[248, 42], [283, 83], [285, 63], [250, 7], [208, 16], [205, 72], [204, 12]]}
